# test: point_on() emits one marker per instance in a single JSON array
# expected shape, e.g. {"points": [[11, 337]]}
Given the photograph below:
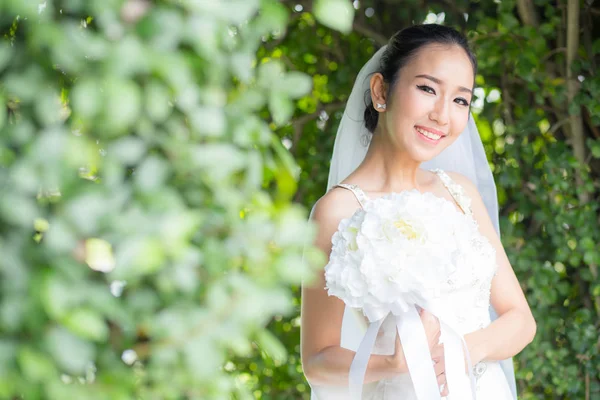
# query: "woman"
{"points": [[420, 88]]}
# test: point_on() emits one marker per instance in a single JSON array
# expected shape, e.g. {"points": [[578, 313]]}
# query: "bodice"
{"points": [[465, 292]]}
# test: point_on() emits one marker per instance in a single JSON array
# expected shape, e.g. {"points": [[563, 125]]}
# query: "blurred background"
{"points": [[158, 160]]}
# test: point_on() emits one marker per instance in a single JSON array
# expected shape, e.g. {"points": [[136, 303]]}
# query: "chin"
{"points": [[423, 155]]}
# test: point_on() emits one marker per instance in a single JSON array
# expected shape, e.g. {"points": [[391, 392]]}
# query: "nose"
{"points": [[440, 112]]}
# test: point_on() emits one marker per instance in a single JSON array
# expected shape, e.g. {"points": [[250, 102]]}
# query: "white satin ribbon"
{"points": [[417, 354]]}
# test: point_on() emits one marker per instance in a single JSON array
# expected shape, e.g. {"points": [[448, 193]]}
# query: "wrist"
{"points": [[395, 365], [477, 346]]}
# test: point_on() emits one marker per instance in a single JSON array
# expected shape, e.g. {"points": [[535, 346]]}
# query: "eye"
{"points": [[461, 101], [426, 88]]}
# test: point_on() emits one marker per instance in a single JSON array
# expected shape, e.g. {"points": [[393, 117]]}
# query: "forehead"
{"points": [[449, 63]]}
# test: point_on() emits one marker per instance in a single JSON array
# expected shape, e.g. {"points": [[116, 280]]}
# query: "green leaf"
{"points": [[270, 73], [271, 345], [281, 107], [48, 108], [218, 159], [36, 366], [122, 106], [128, 150], [138, 257], [208, 121], [24, 84], [336, 14], [56, 296], [87, 324], [85, 211], [588, 243], [99, 255], [273, 17], [70, 352], [2, 112], [296, 84], [241, 65], [86, 98], [19, 210], [5, 54], [151, 174], [202, 356], [129, 57], [60, 237], [595, 148], [233, 11], [157, 102]]}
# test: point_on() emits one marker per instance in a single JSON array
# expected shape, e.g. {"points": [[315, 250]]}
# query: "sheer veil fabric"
{"points": [[465, 156]]}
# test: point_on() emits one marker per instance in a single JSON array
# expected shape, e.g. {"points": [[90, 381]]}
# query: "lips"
{"points": [[430, 133]]}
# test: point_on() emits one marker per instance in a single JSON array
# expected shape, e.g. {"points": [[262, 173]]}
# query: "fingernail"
{"points": [[442, 386]]}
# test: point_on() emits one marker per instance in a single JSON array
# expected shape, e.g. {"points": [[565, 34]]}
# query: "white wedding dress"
{"points": [[467, 290]]}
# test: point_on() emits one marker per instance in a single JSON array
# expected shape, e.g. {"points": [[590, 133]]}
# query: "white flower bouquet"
{"points": [[395, 255]]}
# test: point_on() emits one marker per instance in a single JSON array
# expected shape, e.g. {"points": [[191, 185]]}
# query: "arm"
{"points": [[323, 360], [515, 327]]}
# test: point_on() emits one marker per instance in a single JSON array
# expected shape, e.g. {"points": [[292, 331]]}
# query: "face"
{"points": [[429, 106]]}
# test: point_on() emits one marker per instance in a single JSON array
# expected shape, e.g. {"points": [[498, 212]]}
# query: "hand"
{"points": [[432, 328], [437, 355], [433, 332], [398, 361]]}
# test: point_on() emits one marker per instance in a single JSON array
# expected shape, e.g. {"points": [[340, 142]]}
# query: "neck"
{"points": [[390, 168]]}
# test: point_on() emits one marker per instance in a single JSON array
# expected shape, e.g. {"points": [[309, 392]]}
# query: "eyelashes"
{"points": [[428, 89]]}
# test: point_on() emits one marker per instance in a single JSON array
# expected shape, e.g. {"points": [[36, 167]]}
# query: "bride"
{"points": [[422, 138]]}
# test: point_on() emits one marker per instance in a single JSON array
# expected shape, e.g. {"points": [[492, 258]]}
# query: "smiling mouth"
{"points": [[429, 135]]}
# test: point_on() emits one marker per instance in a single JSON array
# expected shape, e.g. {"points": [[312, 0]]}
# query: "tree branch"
{"points": [[527, 13], [299, 122], [376, 36], [577, 131]]}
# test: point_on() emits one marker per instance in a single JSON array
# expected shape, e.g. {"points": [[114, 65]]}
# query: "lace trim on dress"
{"points": [[360, 195], [456, 190]]}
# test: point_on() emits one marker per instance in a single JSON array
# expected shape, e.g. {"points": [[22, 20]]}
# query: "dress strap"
{"points": [[456, 190], [358, 192]]}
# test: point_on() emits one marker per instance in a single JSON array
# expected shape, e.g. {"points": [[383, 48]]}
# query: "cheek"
{"points": [[460, 119], [409, 106], [414, 105]]}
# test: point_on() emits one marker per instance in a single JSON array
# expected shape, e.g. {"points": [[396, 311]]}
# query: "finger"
{"points": [[433, 334], [426, 316], [441, 379], [431, 325], [445, 392], [433, 341], [437, 351], [443, 385], [440, 369]]}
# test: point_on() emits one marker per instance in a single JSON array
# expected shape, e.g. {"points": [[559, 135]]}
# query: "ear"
{"points": [[378, 91]]}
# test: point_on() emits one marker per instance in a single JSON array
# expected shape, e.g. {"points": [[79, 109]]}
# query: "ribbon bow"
{"points": [[417, 354]]}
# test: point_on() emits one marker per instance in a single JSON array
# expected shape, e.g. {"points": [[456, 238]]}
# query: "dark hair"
{"points": [[402, 47]]}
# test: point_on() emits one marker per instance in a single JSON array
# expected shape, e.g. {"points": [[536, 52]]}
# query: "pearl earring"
{"points": [[382, 106]]}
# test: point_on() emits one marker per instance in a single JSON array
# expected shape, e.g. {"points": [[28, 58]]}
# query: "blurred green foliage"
{"points": [[157, 160], [147, 228]]}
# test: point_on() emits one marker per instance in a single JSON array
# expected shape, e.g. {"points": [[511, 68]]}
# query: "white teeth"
{"points": [[430, 135]]}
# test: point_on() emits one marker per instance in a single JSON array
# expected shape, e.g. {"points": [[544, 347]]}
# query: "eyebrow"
{"points": [[439, 82]]}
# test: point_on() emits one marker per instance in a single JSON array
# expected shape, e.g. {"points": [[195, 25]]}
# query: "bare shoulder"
{"points": [[480, 212], [468, 185], [335, 205]]}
